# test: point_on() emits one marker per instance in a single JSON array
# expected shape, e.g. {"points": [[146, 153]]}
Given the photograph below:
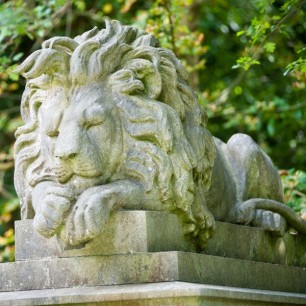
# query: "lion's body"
{"points": [[111, 123], [241, 171]]}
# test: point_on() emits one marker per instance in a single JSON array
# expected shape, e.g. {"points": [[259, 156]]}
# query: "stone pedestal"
{"points": [[145, 259], [127, 232]]}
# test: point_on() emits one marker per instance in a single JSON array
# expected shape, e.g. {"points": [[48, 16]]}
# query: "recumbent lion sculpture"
{"points": [[111, 123]]}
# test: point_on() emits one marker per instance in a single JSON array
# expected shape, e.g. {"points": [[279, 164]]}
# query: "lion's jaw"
{"points": [[81, 166], [89, 140]]}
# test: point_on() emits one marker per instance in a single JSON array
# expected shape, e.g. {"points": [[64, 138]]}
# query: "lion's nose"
{"points": [[67, 144], [65, 151]]}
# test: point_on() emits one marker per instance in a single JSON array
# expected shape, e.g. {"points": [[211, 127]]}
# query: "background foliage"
{"points": [[246, 60]]}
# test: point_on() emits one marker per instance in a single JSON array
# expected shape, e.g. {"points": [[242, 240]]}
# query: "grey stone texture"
{"points": [[165, 294], [111, 123], [137, 268], [253, 243], [129, 232], [132, 261], [46, 274]]}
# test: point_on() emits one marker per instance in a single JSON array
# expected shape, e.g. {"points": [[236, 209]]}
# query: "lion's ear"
{"points": [[148, 73], [124, 81], [137, 75]]}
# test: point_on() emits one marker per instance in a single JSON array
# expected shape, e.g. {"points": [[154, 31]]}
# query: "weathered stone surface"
{"points": [[215, 270], [76, 269], [252, 243], [150, 267], [112, 123], [88, 271], [126, 232], [109, 133], [135, 231], [166, 294]]}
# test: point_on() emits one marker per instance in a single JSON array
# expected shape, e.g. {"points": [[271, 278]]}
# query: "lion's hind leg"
{"points": [[255, 174], [259, 189]]}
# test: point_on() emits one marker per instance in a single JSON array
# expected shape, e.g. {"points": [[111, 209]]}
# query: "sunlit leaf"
{"points": [[270, 47]]}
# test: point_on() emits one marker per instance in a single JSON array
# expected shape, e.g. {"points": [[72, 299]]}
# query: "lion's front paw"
{"points": [[206, 227], [50, 215], [87, 218]]}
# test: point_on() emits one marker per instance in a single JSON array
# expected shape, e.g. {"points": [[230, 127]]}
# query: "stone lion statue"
{"points": [[111, 123]]}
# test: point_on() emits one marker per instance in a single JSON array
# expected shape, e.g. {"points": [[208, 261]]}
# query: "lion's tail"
{"points": [[285, 211]]}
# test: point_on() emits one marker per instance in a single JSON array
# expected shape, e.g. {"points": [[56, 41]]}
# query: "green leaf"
{"points": [[276, 18], [270, 47], [298, 65], [14, 76], [11, 205], [80, 5], [245, 63], [271, 127], [17, 56], [240, 33]]}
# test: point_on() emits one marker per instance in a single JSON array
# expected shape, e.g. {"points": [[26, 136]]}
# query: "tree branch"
{"points": [[223, 97], [172, 32], [276, 28], [56, 17]]}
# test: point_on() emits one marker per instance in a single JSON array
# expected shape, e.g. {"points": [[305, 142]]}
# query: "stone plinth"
{"points": [[126, 232], [148, 250], [138, 268], [131, 232]]}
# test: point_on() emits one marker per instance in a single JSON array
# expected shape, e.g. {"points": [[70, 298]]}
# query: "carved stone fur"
{"points": [[112, 123]]}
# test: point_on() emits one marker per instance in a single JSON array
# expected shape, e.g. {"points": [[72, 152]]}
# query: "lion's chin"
{"points": [[64, 177]]}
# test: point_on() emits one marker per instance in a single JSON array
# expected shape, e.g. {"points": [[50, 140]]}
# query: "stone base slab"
{"points": [[166, 294], [89, 271], [129, 232], [148, 249]]}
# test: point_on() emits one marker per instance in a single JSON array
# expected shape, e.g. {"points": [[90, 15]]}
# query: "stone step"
{"points": [[166, 294], [88, 271]]}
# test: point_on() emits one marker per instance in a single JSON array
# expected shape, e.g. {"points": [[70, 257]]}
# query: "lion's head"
{"points": [[110, 105]]}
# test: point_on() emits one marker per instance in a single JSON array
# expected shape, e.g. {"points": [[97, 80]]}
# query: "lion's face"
{"points": [[87, 136]]}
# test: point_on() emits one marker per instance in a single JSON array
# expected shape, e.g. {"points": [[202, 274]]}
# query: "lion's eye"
{"points": [[52, 133], [91, 123], [93, 116]]}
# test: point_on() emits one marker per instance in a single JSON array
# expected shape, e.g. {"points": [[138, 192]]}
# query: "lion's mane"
{"points": [[167, 144]]}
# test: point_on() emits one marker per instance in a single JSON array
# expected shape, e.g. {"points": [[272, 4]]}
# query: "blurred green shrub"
{"points": [[294, 183], [246, 59]]}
